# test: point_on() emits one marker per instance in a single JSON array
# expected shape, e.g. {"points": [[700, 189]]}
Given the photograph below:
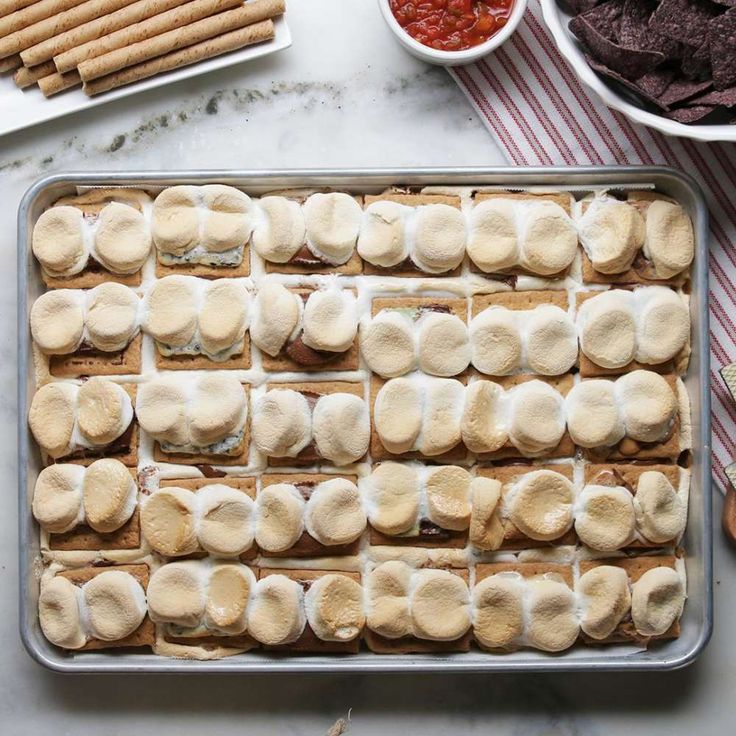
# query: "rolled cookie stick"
{"points": [[255, 33], [161, 23], [25, 77], [20, 16], [252, 12], [94, 29], [10, 6], [55, 83], [10, 63]]}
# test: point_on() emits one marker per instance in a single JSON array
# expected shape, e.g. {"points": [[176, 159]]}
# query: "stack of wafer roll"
{"points": [[104, 44]]}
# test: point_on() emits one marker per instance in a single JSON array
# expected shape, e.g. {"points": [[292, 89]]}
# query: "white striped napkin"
{"points": [[530, 99]]}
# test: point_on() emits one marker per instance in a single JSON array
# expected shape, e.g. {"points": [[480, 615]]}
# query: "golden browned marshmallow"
{"points": [[226, 517], [334, 608], [387, 344], [648, 405], [670, 242], [341, 428], [593, 415], [169, 523], [607, 325], [398, 414], [549, 240], [440, 605], [448, 497], [276, 315], [57, 321], [282, 423], [116, 605], [663, 325], [276, 613], [104, 411], [444, 347], [161, 406], [59, 614], [482, 424], [551, 341], [552, 623], [112, 316], [57, 497], [498, 610], [495, 341], [657, 598], [540, 504], [175, 222], [228, 221], [330, 320], [110, 495], [59, 242], [280, 230], [442, 414], [223, 315], [334, 513], [439, 238], [392, 493], [605, 520], [218, 409], [332, 222], [52, 417], [280, 518], [171, 310], [228, 594], [122, 239], [611, 232], [382, 240], [389, 612], [536, 417], [486, 528], [606, 599], [177, 593], [492, 241], [660, 512]]}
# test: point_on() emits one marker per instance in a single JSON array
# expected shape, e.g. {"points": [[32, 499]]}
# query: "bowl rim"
{"points": [[464, 55], [553, 17]]}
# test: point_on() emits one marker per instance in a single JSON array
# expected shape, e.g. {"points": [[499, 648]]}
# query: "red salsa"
{"points": [[451, 25]]}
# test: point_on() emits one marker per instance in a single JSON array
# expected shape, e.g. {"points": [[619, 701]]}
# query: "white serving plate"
{"points": [[23, 108], [556, 19]]}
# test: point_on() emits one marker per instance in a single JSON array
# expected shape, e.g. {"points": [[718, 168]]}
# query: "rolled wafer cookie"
{"points": [[10, 6], [55, 83], [10, 63], [26, 77], [20, 14], [94, 29], [230, 20], [167, 21], [254, 33]]}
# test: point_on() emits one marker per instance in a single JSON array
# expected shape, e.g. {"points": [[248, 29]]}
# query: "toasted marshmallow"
{"points": [[341, 428], [280, 231], [439, 238], [52, 417], [282, 423], [443, 407], [59, 614], [670, 242], [177, 593], [607, 324], [280, 519], [334, 513], [648, 405], [218, 409], [59, 242], [499, 610], [660, 512], [540, 505], [392, 492], [444, 347], [493, 243], [225, 526], [657, 598], [104, 411], [606, 600], [334, 607], [57, 321], [175, 221], [276, 614], [440, 605], [116, 605], [276, 314], [611, 232], [496, 342], [536, 422], [228, 593], [486, 528], [112, 316], [228, 221], [593, 415], [161, 408], [552, 623], [605, 520], [169, 523], [122, 238], [330, 320], [223, 315], [448, 497], [332, 222], [551, 341], [482, 423], [110, 495], [171, 310], [382, 241], [397, 414], [389, 612], [57, 498], [549, 240], [663, 327], [387, 344]]}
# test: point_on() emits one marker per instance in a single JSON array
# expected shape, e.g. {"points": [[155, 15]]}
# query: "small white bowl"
{"points": [[452, 58]]}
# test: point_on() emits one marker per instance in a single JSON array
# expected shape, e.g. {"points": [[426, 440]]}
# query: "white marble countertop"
{"points": [[345, 95]]}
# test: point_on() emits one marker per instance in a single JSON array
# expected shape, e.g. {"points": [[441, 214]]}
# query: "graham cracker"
{"points": [[212, 642], [519, 300], [201, 362], [352, 267], [97, 363], [203, 270], [451, 305], [94, 200], [526, 570], [93, 274], [564, 199]]}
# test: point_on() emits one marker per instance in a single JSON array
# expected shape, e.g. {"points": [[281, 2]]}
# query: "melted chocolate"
{"points": [[209, 472], [301, 353], [305, 257], [430, 530], [120, 446]]}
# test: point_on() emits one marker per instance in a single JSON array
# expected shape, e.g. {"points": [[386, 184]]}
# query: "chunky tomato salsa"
{"points": [[451, 25]]}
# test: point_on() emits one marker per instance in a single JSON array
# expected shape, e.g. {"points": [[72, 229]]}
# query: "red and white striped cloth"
{"points": [[540, 114]]}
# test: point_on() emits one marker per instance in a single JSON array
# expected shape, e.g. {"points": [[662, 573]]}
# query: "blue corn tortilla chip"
{"points": [[605, 18], [634, 86], [684, 20], [718, 97], [696, 62], [680, 90], [722, 38], [690, 114], [654, 83], [580, 6], [635, 33]]}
